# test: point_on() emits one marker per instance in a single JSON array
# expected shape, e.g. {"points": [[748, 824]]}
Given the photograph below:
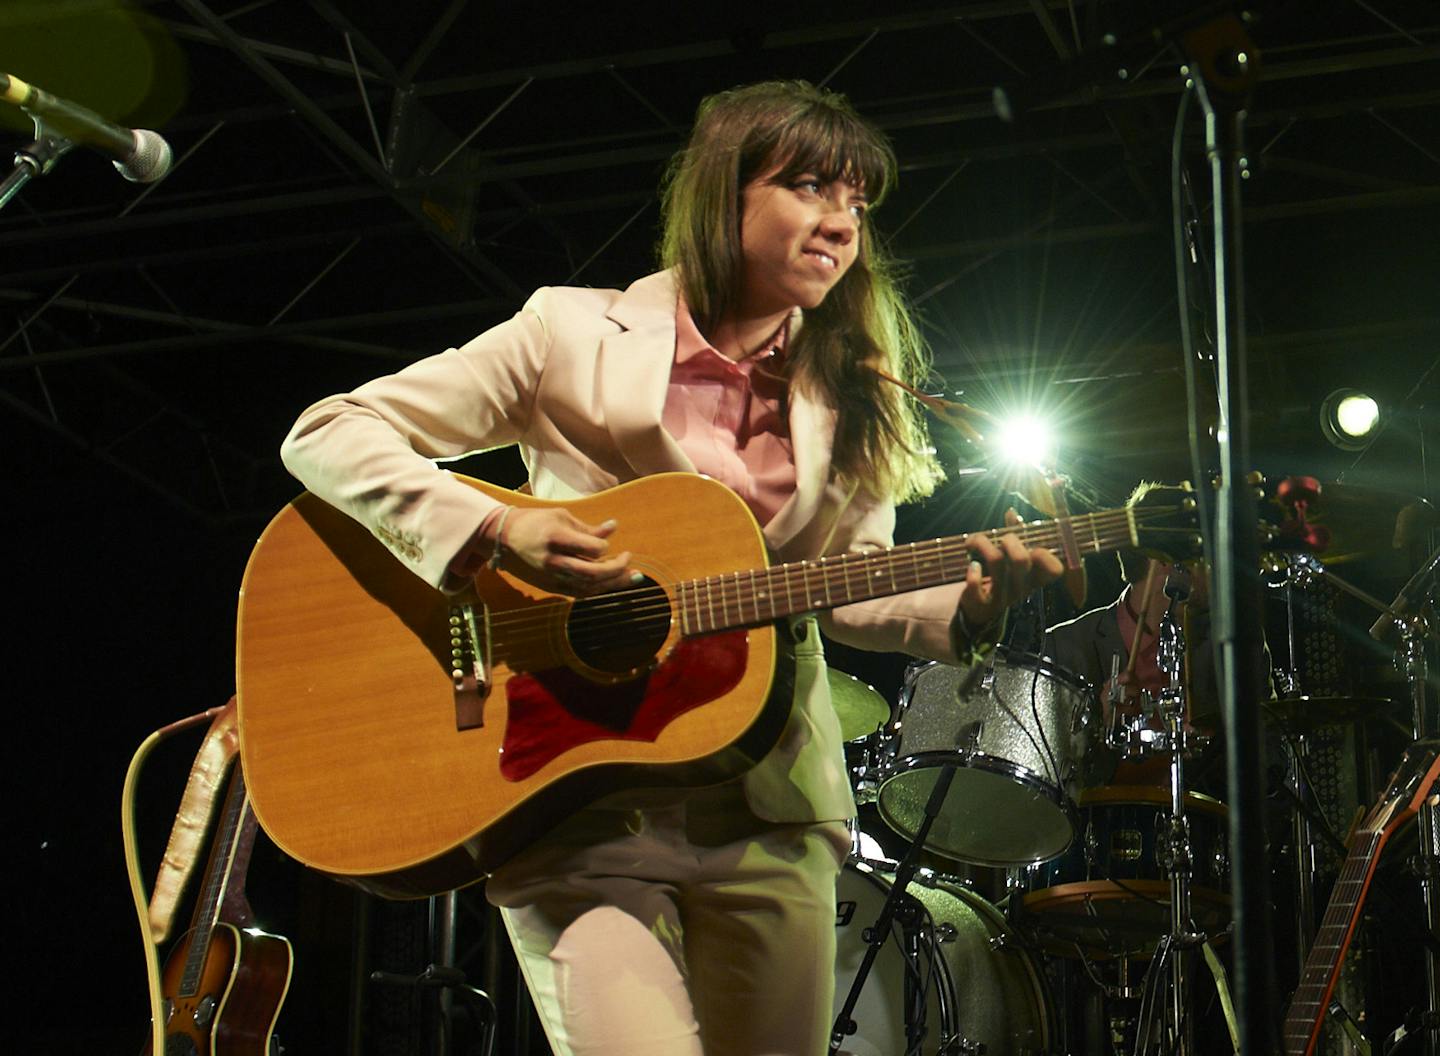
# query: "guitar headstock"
{"points": [[1411, 782], [1167, 521]]}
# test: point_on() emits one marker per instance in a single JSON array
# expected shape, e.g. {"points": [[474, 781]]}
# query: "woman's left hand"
{"points": [[1008, 574]]}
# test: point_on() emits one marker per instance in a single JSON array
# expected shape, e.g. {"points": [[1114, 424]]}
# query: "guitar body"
{"points": [[243, 982], [367, 761]]}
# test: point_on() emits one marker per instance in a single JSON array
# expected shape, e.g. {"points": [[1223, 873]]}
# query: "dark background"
{"points": [[155, 344]]}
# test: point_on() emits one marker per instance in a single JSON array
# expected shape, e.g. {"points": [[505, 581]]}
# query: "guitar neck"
{"points": [[1322, 966], [759, 596], [229, 858]]}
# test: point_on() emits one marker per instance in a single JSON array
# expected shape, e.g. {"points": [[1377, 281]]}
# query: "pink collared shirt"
{"points": [[728, 417]]}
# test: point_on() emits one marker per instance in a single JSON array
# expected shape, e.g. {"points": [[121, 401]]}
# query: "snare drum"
{"points": [[983, 988], [1018, 730], [1110, 894]]}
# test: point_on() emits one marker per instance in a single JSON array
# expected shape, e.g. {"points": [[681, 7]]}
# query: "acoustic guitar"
{"points": [[408, 741], [225, 980], [1413, 781]]}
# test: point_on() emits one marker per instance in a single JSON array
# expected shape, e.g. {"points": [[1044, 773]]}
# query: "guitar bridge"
{"points": [[469, 674]]}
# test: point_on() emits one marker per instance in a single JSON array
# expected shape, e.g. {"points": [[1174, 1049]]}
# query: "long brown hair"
{"points": [[779, 130]]}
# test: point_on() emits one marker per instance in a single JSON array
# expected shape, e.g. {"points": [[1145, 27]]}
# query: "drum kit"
{"points": [[1048, 885]]}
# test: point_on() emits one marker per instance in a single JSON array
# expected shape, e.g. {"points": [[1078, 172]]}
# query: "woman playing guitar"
{"points": [[689, 921]]}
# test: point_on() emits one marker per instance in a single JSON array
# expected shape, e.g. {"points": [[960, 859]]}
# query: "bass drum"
{"points": [[979, 985]]}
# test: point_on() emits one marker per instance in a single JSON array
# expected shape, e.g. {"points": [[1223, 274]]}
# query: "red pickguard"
{"points": [[553, 711]]}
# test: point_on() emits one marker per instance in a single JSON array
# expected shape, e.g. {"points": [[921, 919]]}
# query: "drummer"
{"points": [[1124, 636]]}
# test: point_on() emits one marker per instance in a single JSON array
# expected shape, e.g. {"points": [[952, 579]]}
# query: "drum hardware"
{"points": [[902, 907], [1134, 736], [1003, 1007]]}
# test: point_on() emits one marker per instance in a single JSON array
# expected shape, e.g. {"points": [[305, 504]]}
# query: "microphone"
{"points": [[1411, 596], [141, 156]]}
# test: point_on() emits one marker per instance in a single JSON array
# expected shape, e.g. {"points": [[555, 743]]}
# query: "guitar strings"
{"points": [[620, 611], [734, 593], [732, 589], [733, 598]]}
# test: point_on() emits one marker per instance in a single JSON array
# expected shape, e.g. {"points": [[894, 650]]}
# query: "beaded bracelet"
{"points": [[498, 550]]}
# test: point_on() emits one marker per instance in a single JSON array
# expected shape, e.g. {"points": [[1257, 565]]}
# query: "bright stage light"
{"points": [[1349, 418], [1026, 440]]}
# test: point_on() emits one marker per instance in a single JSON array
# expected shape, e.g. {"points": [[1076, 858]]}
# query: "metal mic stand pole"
{"points": [[1222, 61], [34, 159], [877, 933]]}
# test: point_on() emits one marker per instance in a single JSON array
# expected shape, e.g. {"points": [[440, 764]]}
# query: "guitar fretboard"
{"points": [[1331, 941], [758, 596], [217, 875]]}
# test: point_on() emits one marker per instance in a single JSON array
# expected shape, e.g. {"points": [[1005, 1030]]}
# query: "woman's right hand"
{"points": [[551, 548]]}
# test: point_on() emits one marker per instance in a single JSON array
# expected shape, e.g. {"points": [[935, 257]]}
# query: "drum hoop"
{"points": [[1106, 890], [932, 760], [1045, 665]]}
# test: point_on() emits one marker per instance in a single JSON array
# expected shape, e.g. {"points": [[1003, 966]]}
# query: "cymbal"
{"points": [[861, 709], [1308, 712]]}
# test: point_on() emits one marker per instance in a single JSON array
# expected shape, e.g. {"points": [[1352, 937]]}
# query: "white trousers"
{"points": [[688, 930]]}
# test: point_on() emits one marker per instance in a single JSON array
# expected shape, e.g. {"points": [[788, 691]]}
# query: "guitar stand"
{"points": [[906, 908], [447, 980]]}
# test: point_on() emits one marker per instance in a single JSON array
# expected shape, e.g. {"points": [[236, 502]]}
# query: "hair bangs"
{"points": [[832, 146]]}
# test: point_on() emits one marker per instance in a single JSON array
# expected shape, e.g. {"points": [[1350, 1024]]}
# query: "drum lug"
{"points": [[967, 738]]}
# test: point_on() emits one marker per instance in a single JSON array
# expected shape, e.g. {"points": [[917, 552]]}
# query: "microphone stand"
{"points": [[900, 902], [1222, 62], [36, 158]]}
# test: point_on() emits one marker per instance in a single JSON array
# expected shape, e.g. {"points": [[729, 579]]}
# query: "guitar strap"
{"points": [[197, 810]]}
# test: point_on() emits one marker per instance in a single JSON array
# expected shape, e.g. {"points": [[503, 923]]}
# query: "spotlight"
{"points": [[1026, 440], [1349, 418]]}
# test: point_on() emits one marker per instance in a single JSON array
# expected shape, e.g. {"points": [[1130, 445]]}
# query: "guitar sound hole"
{"points": [[620, 631]]}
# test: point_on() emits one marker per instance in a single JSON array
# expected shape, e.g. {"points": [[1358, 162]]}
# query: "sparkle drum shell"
{"points": [[1019, 730], [982, 985]]}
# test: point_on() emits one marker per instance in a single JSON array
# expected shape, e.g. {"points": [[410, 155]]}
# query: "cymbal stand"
{"points": [[1298, 574], [1174, 851], [905, 908]]}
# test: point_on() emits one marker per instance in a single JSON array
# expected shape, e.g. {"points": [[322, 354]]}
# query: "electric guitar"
{"points": [[224, 981], [408, 741], [1411, 783]]}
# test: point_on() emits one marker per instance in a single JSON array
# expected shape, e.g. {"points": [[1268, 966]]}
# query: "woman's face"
{"points": [[797, 238]]}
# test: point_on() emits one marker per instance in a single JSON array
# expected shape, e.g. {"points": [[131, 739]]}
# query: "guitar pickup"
{"points": [[469, 673]]}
